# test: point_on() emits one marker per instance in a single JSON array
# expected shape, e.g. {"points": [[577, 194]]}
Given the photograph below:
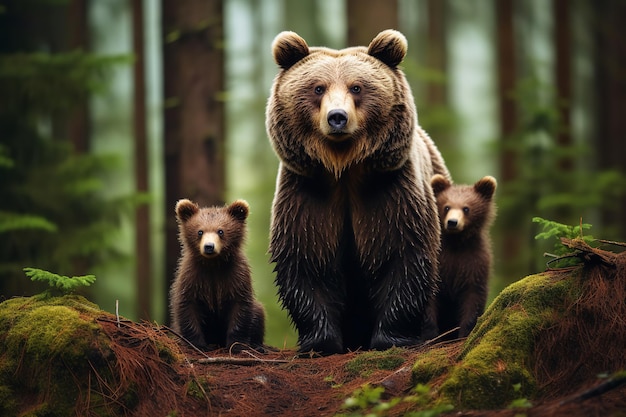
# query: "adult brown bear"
{"points": [[354, 233]]}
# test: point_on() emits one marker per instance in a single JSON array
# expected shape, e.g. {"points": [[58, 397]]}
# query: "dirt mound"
{"points": [[551, 344]]}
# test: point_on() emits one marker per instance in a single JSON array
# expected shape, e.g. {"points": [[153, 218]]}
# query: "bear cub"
{"points": [[211, 300], [466, 213]]}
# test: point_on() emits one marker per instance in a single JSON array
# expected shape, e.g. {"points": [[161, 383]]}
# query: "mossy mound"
{"points": [[538, 339], [57, 358], [367, 363]]}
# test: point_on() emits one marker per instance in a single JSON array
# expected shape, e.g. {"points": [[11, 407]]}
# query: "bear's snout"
{"points": [[209, 248], [454, 221], [337, 120], [211, 245]]}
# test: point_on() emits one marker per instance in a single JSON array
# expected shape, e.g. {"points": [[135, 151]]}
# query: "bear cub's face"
{"points": [[464, 207], [212, 231]]}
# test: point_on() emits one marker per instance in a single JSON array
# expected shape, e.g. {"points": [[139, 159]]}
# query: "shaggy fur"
{"points": [[466, 213], [354, 232], [212, 300]]}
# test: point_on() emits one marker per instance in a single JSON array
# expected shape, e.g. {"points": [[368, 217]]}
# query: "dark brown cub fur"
{"points": [[212, 300], [466, 213]]}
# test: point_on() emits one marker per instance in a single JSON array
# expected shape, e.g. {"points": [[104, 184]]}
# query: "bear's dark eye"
{"points": [[319, 90], [446, 209], [220, 232], [200, 232], [355, 89], [465, 210]]}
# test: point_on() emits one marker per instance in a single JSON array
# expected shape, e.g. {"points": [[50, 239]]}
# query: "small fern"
{"points": [[59, 282], [552, 229]]}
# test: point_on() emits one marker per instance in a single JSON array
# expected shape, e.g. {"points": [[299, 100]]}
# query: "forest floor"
{"points": [[551, 344], [285, 383]]}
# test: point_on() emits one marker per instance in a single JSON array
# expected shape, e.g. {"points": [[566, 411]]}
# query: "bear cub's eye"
{"points": [[446, 209], [319, 90], [200, 232], [465, 210], [220, 232], [355, 89]]}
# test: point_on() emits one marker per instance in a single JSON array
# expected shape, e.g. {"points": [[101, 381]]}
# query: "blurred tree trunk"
{"points": [[193, 77], [610, 62], [512, 237], [143, 275], [79, 126], [436, 54], [367, 18], [563, 75]]}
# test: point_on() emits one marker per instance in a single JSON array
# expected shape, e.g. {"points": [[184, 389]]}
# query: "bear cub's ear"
{"points": [[289, 48], [185, 209], [389, 46], [239, 210], [486, 186], [439, 183]]}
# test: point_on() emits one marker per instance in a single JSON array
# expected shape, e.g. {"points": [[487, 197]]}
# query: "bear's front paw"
{"points": [[384, 341], [323, 346]]}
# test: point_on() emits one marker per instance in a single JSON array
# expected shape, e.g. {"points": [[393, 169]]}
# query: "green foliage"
{"points": [[521, 402], [60, 282], [555, 230], [55, 210], [552, 179], [368, 401]]}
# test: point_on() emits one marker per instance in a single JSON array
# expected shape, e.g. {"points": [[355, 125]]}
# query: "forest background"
{"points": [[110, 111]]}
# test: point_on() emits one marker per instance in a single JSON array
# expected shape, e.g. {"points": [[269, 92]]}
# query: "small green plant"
{"points": [[422, 397], [552, 229], [367, 401], [519, 402], [60, 282]]}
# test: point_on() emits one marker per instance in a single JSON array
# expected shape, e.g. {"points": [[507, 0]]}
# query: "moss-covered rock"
{"points": [[57, 360], [47, 346], [494, 366], [368, 362]]}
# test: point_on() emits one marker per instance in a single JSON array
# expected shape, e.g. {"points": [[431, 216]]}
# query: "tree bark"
{"points": [[193, 76], [611, 95], [367, 18], [143, 275]]}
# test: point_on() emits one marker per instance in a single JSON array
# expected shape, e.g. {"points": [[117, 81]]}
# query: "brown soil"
{"points": [[276, 383]]}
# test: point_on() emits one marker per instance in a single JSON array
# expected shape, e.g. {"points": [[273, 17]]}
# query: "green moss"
{"points": [[48, 346], [366, 363], [495, 357], [432, 364]]}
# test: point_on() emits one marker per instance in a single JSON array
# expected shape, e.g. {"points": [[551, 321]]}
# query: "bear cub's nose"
{"points": [[337, 119], [452, 223], [209, 248]]}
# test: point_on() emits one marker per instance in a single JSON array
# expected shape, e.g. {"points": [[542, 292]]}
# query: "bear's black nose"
{"points": [[452, 223], [209, 248], [337, 119]]}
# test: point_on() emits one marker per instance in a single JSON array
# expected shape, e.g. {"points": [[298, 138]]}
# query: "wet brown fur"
{"points": [[354, 231], [211, 300], [466, 256]]}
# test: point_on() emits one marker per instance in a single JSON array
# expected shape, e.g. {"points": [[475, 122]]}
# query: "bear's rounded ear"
{"points": [[439, 183], [239, 210], [185, 209], [389, 46], [486, 186], [289, 48]]}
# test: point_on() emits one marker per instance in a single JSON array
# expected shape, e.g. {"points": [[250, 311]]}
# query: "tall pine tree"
{"points": [[53, 214]]}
